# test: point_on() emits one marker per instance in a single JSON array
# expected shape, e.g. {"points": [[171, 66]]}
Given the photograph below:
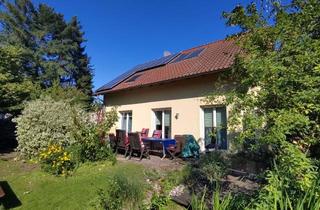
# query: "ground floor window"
{"points": [[126, 121], [215, 127], [163, 122]]}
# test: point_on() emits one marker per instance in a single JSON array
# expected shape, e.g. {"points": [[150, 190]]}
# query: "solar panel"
{"points": [[133, 78], [181, 57], [116, 80], [195, 53], [155, 63], [138, 68], [188, 55]]}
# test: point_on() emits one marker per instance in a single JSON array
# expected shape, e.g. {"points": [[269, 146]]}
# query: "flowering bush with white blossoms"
{"points": [[44, 122]]}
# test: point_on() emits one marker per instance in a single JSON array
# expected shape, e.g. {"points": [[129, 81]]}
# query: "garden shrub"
{"points": [[172, 179], [72, 95], [293, 176], [210, 168], [90, 148], [159, 201], [44, 122], [276, 195], [121, 193], [56, 160], [213, 166], [296, 170], [90, 144]]}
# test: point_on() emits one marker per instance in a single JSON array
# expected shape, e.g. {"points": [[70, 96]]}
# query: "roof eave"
{"points": [[103, 92]]}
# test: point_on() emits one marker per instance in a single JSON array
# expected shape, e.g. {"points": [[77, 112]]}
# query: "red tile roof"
{"points": [[215, 57]]}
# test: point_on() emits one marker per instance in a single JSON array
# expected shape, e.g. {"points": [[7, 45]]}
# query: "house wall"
{"points": [[182, 97]]}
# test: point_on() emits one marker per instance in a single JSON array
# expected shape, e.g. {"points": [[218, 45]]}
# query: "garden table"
{"points": [[165, 143]]}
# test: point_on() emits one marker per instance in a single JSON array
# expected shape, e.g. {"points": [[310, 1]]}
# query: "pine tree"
{"points": [[54, 47], [82, 74]]}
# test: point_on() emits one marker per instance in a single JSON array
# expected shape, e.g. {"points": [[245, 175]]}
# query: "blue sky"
{"points": [[123, 33]]}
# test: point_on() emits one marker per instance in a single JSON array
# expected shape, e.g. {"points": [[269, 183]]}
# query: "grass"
{"points": [[172, 205], [37, 190]]}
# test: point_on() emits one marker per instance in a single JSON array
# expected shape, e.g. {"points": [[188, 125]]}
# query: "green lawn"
{"points": [[38, 190]]}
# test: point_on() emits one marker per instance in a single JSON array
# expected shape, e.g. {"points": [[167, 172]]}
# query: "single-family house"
{"points": [[167, 94]]}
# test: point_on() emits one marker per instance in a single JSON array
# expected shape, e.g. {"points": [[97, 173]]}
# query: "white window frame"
{"points": [[154, 120], [125, 114], [202, 133]]}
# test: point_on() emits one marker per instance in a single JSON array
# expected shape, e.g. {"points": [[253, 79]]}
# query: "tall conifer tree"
{"points": [[55, 48]]}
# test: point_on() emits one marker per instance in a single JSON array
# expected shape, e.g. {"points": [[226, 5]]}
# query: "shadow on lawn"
{"points": [[10, 200]]}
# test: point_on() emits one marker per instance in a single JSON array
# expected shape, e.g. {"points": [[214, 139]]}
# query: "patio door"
{"points": [[126, 121], [215, 127], [163, 122]]}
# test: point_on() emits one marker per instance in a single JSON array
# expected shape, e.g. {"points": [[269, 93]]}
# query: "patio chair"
{"points": [[177, 149], [157, 134], [136, 144], [156, 146], [113, 141], [144, 132], [122, 141]]}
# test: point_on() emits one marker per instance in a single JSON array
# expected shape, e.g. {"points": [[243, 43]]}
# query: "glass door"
{"points": [[158, 115], [208, 128], [215, 127], [221, 128], [163, 122], [167, 124], [126, 121]]}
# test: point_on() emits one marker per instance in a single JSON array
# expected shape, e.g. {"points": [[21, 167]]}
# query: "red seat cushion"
{"points": [[171, 147], [126, 142], [144, 132], [157, 134]]}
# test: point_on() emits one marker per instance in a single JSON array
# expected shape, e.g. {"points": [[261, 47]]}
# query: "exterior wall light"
{"points": [[176, 116]]}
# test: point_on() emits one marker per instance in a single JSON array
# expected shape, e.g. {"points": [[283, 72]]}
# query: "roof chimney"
{"points": [[166, 53]]}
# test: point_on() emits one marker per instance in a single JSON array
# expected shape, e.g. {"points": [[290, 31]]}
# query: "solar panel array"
{"points": [[133, 78], [116, 81], [141, 67], [155, 63], [189, 55]]}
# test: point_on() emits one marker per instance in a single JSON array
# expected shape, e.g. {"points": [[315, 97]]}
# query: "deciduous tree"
{"points": [[277, 96], [15, 86]]}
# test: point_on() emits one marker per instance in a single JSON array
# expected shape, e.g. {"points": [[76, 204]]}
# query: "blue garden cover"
{"points": [[191, 147]]}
